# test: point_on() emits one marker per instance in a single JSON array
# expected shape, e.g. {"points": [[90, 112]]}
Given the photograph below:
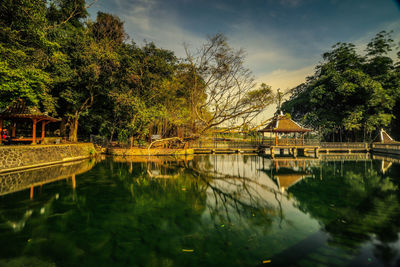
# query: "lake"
{"points": [[204, 210]]}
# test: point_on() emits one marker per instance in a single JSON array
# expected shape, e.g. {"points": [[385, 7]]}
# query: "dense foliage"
{"points": [[351, 96], [88, 73]]}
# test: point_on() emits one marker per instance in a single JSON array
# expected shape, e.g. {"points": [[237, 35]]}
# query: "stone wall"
{"points": [[27, 156]]}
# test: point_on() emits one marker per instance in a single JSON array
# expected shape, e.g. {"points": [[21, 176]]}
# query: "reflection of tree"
{"points": [[124, 215], [353, 206]]}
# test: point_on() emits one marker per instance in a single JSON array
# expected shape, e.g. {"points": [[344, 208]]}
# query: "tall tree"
{"points": [[350, 96], [24, 53], [218, 71]]}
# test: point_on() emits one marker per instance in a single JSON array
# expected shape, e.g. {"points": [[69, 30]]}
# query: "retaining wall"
{"points": [[28, 156]]}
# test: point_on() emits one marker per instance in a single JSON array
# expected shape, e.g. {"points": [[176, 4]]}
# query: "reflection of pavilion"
{"points": [[286, 172], [20, 180], [285, 181], [387, 161]]}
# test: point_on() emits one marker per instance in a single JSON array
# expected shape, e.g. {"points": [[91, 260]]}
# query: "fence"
{"points": [[291, 142], [224, 144], [246, 143], [392, 146], [344, 145]]}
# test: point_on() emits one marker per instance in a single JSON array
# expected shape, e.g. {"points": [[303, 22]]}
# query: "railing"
{"points": [[291, 142], [391, 146], [243, 144], [231, 144], [344, 145]]}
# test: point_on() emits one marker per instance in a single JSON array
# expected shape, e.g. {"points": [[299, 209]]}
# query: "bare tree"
{"points": [[223, 91]]}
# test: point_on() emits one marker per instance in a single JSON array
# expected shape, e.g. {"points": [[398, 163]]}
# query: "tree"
{"points": [[223, 90], [24, 53], [350, 96]]}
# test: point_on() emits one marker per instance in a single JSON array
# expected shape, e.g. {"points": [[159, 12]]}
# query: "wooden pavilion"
{"points": [[281, 124], [18, 112]]}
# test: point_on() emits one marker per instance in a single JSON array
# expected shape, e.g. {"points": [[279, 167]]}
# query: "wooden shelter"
{"points": [[281, 124], [18, 112]]}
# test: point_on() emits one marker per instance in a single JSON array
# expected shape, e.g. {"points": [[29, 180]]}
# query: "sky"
{"points": [[283, 39]]}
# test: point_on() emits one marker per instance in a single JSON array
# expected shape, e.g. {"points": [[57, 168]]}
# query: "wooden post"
{"points": [[262, 142], [34, 131], [276, 138], [13, 129], [43, 130], [31, 193], [1, 130], [303, 138], [287, 139]]}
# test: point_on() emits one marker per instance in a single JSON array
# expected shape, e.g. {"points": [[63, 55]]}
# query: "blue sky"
{"points": [[283, 38]]}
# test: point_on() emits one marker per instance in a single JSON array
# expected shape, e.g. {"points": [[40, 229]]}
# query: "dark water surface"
{"points": [[212, 210]]}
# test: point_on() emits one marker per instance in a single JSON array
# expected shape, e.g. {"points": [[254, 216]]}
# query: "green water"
{"points": [[212, 210]]}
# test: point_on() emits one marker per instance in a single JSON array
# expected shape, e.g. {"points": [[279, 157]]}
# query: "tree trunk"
{"points": [[73, 129], [63, 128]]}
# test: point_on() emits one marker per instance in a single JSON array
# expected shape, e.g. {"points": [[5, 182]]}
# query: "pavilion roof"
{"points": [[18, 110], [283, 124], [287, 180], [385, 137]]}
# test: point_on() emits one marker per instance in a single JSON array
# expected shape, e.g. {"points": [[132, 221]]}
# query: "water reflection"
{"points": [[11, 182], [235, 210]]}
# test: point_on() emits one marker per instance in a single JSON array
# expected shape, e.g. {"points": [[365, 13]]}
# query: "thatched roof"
{"points": [[283, 124]]}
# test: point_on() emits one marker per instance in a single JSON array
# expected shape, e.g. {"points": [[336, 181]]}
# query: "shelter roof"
{"points": [[18, 110], [283, 124], [287, 180], [385, 137]]}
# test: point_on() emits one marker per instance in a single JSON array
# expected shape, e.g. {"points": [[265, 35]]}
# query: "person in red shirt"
{"points": [[5, 136]]}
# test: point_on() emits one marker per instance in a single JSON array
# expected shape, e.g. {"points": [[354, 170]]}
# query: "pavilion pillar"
{"points": [[1, 130], [34, 131], [13, 127], [43, 129], [303, 138], [262, 142], [287, 139], [276, 138]]}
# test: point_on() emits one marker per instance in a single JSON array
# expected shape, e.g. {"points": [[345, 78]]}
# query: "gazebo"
{"points": [[18, 112], [282, 124]]}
